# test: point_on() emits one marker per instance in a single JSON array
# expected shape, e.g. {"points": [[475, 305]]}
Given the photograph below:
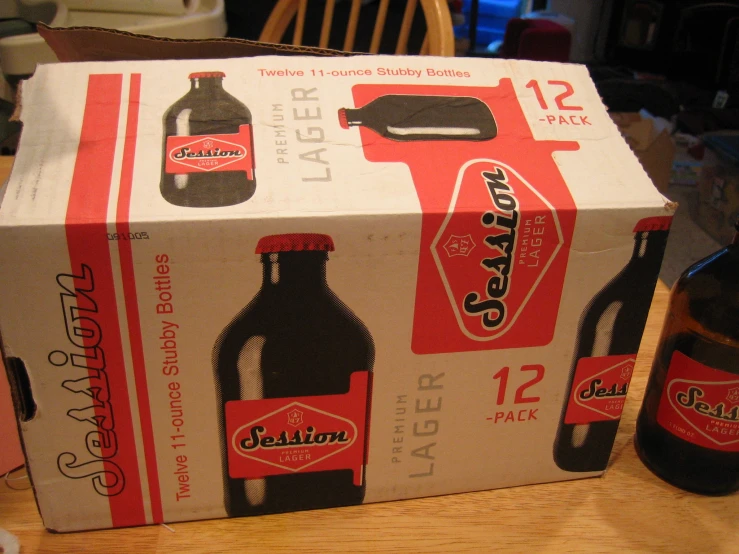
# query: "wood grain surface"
{"points": [[628, 509]]}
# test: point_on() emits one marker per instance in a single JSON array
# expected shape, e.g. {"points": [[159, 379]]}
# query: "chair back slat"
{"points": [[405, 27], [328, 18], [439, 39], [351, 29], [300, 23], [379, 26]]}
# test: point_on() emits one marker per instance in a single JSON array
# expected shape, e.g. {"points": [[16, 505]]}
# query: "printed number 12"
{"points": [[519, 397], [559, 100]]}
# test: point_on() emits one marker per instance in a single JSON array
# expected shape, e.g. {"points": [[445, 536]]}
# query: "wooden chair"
{"points": [[439, 39]]}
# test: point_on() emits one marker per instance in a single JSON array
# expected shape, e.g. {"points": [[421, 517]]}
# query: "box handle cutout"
{"points": [[22, 385]]}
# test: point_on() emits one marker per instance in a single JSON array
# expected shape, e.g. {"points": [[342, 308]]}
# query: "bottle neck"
{"points": [[206, 84], [284, 272], [353, 117], [648, 243]]}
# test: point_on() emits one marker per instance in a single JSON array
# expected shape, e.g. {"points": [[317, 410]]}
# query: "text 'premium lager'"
{"points": [[687, 431], [208, 148], [293, 375]]}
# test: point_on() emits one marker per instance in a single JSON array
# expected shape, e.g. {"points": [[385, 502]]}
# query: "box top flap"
{"points": [[85, 44], [303, 153]]}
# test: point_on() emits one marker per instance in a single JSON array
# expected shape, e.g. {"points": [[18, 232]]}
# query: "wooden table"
{"points": [[627, 510]]}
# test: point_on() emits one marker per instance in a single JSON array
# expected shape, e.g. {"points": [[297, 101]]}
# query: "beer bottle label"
{"points": [[499, 267], [278, 436], [599, 389], [700, 404], [204, 153]]}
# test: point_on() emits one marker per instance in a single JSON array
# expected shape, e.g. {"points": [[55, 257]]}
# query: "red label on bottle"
{"points": [[700, 404], [492, 262], [204, 153], [599, 389], [278, 436]]}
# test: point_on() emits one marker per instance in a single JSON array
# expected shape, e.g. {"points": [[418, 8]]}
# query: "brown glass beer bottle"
{"points": [[608, 340], [688, 428], [293, 378], [208, 152], [410, 117]]}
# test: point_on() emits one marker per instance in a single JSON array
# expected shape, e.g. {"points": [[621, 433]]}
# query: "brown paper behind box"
{"points": [[92, 44], [655, 151]]}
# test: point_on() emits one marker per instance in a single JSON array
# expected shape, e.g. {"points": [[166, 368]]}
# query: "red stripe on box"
{"points": [[87, 240], [125, 250]]}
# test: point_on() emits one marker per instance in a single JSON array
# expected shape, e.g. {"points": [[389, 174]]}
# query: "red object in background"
{"points": [[11, 455], [536, 39]]}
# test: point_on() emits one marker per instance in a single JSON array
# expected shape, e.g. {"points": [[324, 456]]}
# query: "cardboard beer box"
{"points": [[247, 286]]}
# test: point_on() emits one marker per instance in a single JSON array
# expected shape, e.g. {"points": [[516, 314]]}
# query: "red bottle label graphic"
{"points": [[479, 286], [193, 154], [599, 389], [303, 434], [700, 404], [493, 262]]}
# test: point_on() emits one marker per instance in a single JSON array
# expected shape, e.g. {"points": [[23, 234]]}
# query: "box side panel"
{"points": [[60, 440], [75, 288]]}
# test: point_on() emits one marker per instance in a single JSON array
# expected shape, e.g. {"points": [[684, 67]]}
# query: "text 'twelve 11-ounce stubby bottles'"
{"points": [[687, 431], [208, 158], [293, 374], [408, 117], [609, 334]]}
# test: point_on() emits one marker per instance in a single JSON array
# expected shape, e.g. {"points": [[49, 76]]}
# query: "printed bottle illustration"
{"points": [[410, 117], [293, 375], [449, 177], [687, 431], [208, 158], [608, 340]]}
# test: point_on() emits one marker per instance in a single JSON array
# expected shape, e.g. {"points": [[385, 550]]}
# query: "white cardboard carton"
{"points": [[474, 228]]}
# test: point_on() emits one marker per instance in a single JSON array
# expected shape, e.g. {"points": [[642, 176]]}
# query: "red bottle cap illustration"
{"points": [[207, 74], [342, 118], [295, 242], [657, 223]]}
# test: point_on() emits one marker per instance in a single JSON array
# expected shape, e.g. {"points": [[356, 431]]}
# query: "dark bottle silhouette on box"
{"points": [[294, 339], [208, 158], [409, 117], [687, 431], [612, 325]]}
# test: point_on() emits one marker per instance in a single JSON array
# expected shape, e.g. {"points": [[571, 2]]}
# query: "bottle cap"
{"points": [[656, 223], [207, 74], [342, 118], [295, 242]]}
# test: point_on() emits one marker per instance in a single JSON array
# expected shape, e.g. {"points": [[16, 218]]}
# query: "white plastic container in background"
{"points": [[20, 54]]}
